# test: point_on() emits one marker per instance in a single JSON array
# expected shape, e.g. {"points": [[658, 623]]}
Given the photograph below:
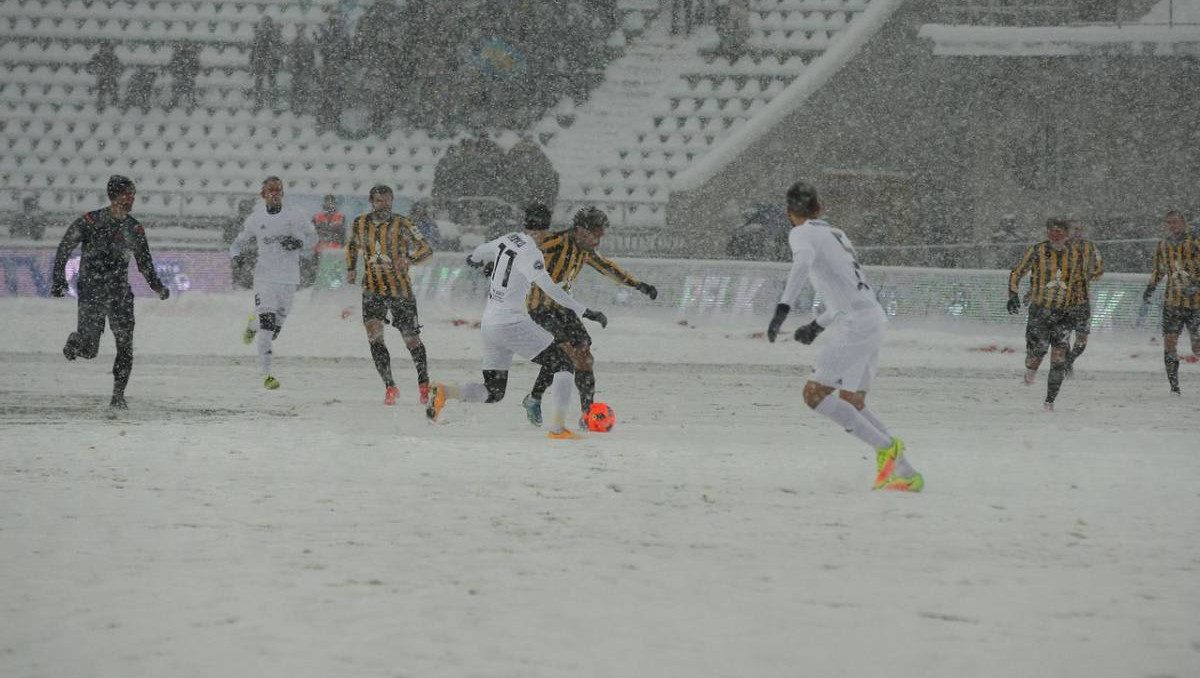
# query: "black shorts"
{"points": [[1081, 317], [1175, 318], [1048, 327], [106, 305], [403, 311], [564, 324]]}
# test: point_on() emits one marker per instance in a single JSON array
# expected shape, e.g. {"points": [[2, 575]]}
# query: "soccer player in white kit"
{"points": [[514, 262], [846, 367], [282, 234]]}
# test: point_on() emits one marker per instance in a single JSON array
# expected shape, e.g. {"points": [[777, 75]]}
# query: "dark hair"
{"points": [[119, 185], [379, 189], [1058, 222], [590, 219], [537, 217], [802, 199], [270, 179]]}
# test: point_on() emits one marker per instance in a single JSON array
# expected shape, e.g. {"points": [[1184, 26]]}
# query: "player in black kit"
{"points": [[107, 237]]}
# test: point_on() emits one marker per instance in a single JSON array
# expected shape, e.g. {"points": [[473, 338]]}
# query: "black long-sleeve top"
{"points": [[107, 244]]}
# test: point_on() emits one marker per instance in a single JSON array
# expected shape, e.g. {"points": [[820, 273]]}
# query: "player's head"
{"points": [[329, 204], [272, 192], [121, 192], [1057, 230], [1075, 230], [381, 198], [1175, 224], [537, 221], [802, 202], [590, 223]]}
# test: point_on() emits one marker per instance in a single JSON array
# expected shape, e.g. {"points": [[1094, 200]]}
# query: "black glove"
{"points": [[58, 287], [1014, 303], [1147, 294], [806, 334], [781, 314], [291, 243], [596, 317], [164, 293], [647, 289]]}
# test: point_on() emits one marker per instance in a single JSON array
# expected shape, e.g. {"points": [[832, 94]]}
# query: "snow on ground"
{"points": [[720, 530]]}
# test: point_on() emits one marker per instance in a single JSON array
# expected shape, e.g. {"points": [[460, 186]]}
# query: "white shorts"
{"points": [[524, 338], [850, 359], [274, 298]]}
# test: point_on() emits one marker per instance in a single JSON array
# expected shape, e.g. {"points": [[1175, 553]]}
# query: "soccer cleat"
{"points": [[389, 395], [249, 332], [1048, 406], [533, 409], [270, 383], [118, 402], [437, 400], [583, 422], [71, 348], [885, 467], [1030, 377], [563, 433], [423, 389], [1175, 392], [1069, 372]]}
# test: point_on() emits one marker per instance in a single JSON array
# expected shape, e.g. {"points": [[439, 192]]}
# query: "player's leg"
{"points": [[1082, 327], [1036, 343], [551, 321], [121, 320], [1058, 329], [273, 302], [1172, 326], [499, 343], [374, 313], [554, 358], [404, 317], [892, 468], [91, 312]]}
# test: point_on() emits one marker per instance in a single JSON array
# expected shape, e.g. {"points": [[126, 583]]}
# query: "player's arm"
{"points": [[480, 258], [802, 258], [70, 241], [1156, 273], [1097, 263], [611, 270], [145, 261], [419, 248], [1025, 265], [243, 238]]}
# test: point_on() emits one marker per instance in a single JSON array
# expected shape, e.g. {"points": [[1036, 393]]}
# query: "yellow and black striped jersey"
{"points": [[1093, 268], [381, 245], [1054, 275], [1178, 262], [565, 259]]}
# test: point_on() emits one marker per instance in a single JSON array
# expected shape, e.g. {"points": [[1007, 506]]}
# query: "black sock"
{"points": [[122, 368], [544, 378], [586, 383], [1075, 353], [1172, 362], [421, 363], [1057, 372], [383, 362]]}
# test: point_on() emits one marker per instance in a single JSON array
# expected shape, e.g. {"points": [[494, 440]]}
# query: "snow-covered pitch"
{"points": [[721, 529]]}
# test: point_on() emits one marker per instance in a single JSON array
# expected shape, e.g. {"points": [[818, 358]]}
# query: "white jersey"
{"points": [[518, 264], [824, 255], [276, 264]]}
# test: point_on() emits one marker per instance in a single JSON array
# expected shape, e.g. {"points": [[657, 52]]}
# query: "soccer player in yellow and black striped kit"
{"points": [[388, 244], [1093, 265], [1177, 258], [566, 254], [1054, 266]]}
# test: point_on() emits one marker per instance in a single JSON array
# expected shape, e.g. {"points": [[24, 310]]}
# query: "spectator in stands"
{"points": [[530, 176], [107, 68], [266, 57], [425, 223], [333, 44], [31, 222], [242, 266], [733, 27], [184, 67], [330, 224], [302, 62], [141, 91]]}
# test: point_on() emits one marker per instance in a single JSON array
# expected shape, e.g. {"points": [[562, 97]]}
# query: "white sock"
{"points": [[870, 416], [473, 392], [264, 352], [855, 424], [560, 396]]}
